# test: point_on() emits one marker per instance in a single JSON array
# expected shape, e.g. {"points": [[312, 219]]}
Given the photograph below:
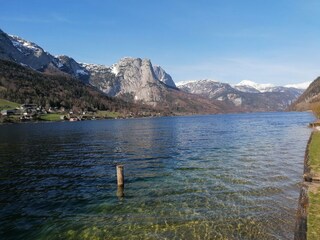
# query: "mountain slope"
{"points": [[309, 99], [163, 76], [70, 66], [20, 84], [24, 52], [29, 54]]}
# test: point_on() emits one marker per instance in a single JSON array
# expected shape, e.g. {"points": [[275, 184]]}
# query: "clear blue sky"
{"points": [[274, 41]]}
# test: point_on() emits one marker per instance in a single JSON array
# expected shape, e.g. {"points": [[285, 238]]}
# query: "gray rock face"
{"points": [[275, 99], [21, 51], [7, 50], [103, 78], [138, 79], [130, 78], [30, 54], [163, 76]]}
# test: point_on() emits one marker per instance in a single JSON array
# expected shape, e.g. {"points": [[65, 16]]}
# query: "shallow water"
{"points": [[232, 176]]}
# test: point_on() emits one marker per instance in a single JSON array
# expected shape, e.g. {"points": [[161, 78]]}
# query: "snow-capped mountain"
{"points": [[250, 86], [24, 52], [302, 86], [26, 47], [247, 95], [33, 56], [210, 89]]}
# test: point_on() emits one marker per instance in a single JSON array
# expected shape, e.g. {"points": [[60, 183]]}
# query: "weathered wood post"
{"points": [[120, 178], [120, 181]]}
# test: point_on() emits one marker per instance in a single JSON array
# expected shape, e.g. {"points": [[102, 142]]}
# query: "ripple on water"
{"points": [[200, 177]]}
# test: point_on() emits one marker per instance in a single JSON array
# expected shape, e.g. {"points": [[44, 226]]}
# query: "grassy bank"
{"points": [[313, 220], [51, 117], [314, 153], [5, 105], [313, 227]]}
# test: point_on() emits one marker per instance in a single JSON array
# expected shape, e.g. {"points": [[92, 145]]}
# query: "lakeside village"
{"points": [[33, 112], [15, 113]]}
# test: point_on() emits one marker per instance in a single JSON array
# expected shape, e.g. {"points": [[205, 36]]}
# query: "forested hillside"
{"points": [[310, 99], [22, 85]]}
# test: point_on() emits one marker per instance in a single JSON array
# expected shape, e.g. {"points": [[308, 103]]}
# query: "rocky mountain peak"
{"points": [[163, 76], [70, 66], [134, 70], [132, 62], [207, 88], [26, 47], [130, 78], [23, 52]]}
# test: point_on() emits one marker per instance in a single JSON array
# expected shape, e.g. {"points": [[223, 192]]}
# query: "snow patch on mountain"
{"points": [[95, 67], [115, 69], [26, 47], [82, 72], [252, 85]]}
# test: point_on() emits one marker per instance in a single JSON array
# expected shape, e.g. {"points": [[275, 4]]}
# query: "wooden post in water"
{"points": [[120, 181], [120, 192], [120, 178]]}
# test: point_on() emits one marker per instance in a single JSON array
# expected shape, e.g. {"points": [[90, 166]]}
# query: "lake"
{"points": [[233, 176]]}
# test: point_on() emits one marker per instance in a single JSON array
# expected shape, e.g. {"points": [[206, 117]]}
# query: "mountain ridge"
{"points": [[139, 81], [133, 79], [247, 97]]}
